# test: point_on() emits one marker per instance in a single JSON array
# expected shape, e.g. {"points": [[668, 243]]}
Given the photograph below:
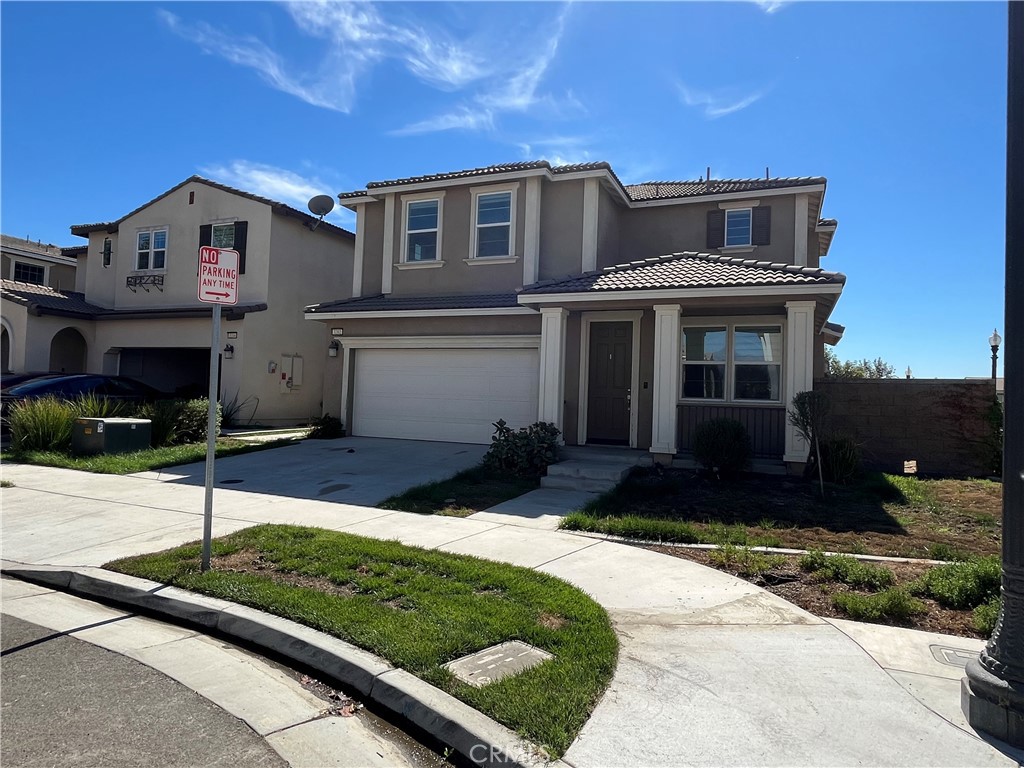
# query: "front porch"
{"points": [[643, 368]]}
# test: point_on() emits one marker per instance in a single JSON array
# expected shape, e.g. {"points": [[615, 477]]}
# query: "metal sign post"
{"points": [[218, 284]]}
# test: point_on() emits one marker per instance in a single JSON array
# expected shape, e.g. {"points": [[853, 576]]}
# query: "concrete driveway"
{"points": [[352, 470]]}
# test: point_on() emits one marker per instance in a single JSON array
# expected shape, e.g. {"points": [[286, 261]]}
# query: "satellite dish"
{"points": [[321, 205]]}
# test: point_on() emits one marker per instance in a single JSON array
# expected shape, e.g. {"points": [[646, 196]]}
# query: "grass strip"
{"points": [[139, 461], [669, 531], [418, 609], [471, 490]]}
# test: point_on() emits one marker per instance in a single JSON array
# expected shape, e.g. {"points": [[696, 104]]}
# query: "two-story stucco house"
{"points": [[624, 314], [134, 309]]}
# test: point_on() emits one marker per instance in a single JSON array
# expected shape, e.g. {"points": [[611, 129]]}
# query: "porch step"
{"points": [[593, 471], [569, 483], [612, 471]]}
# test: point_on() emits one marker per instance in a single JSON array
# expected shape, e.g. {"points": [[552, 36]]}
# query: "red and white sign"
{"points": [[218, 275]]}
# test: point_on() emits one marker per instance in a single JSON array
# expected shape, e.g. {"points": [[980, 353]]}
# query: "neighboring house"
{"points": [[134, 309], [624, 314], [33, 263]]}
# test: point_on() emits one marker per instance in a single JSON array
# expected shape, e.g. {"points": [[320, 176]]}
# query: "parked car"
{"points": [[69, 387], [9, 380]]}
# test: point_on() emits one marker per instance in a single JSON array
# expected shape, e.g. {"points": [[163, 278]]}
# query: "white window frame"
{"points": [[750, 228], [151, 231], [731, 324], [422, 198], [474, 232], [14, 270]]}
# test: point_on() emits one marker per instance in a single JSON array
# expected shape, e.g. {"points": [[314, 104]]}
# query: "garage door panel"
{"points": [[451, 395]]}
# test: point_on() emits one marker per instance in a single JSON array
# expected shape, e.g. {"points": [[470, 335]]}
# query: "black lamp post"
{"points": [[994, 341], [992, 693]]}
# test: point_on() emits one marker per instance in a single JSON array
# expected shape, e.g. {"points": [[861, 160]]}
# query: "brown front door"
{"points": [[608, 395]]}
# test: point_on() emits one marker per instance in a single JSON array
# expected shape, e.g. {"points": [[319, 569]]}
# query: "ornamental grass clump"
{"points": [[41, 424], [722, 446]]}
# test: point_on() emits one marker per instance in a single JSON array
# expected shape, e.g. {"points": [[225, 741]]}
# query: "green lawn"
{"points": [[463, 494], [880, 514], [418, 609], [140, 461]]}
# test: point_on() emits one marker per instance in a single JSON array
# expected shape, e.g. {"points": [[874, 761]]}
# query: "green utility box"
{"points": [[92, 436]]}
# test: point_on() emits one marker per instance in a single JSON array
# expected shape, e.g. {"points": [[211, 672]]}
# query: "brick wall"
{"points": [[942, 424]]}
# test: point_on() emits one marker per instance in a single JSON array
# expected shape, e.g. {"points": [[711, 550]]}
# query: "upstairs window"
{"points": [[493, 236], [223, 236], [151, 251], [233, 235], [422, 227], [29, 273], [737, 227]]}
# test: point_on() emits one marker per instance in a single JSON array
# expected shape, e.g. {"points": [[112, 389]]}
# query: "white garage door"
{"points": [[451, 395]]}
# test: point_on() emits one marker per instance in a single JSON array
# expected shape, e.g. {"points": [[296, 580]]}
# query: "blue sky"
{"points": [[900, 105]]}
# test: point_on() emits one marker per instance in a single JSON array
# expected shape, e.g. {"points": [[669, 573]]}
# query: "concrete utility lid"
{"points": [[494, 663]]}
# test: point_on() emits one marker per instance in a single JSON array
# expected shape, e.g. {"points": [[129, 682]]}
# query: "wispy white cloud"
{"points": [[715, 105], [275, 183], [357, 38], [770, 6], [462, 118], [559, 150]]}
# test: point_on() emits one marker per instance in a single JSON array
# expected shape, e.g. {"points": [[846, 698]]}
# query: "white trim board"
{"points": [[587, 319], [386, 313], [440, 342], [682, 293]]}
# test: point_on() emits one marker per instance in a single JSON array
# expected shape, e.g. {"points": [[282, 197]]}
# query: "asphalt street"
{"points": [[70, 703]]}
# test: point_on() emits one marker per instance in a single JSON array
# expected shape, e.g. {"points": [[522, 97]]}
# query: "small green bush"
{"points": [[962, 585], [893, 604], [327, 427], [192, 418], [985, 616], [848, 570], [947, 552], [525, 452], [840, 459], [93, 406], [745, 561], [41, 424], [722, 446], [164, 416]]}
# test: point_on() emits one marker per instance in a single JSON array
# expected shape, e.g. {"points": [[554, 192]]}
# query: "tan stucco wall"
{"points": [[608, 229], [31, 337], [106, 286], [373, 248], [561, 229]]}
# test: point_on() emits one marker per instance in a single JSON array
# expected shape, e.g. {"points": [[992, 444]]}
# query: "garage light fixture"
{"points": [[333, 347], [229, 352]]}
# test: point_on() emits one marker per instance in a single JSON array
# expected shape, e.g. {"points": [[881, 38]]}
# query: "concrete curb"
{"points": [[469, 732]]}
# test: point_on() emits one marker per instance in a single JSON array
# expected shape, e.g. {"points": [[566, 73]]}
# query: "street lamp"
{"points": [[993, 341]]}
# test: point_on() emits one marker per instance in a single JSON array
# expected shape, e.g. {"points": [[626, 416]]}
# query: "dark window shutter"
{"points": [[716, 229], [205, 238], [241, 233], [761, 225]]}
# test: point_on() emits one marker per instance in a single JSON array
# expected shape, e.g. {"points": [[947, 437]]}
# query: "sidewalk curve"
{"points": [[712, 669]]}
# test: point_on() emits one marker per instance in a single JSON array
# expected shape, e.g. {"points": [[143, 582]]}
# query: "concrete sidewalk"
{"points": [[712, 670]]}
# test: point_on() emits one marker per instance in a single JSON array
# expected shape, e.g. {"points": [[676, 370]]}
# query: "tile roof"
{"points": [[688, 270], [382, 303], [43, 300], [31, 246], [665, 190], [650, 190], [74, 251], [828, 223], [83, 230]]}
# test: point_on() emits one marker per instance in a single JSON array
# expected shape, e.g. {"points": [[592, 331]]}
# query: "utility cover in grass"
{"points": [[494, 663]]}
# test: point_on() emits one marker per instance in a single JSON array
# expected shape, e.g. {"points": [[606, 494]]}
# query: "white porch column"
{"points": [[799, 376], [666, 378], [551, 395]]}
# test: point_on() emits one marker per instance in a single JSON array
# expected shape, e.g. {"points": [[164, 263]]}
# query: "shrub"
{"points": [[231, 410], [722, 446], [191, 422], [846, 569], [891, 605], [93, 406], [947, 552], [326, 428], [962, 585], [745, 561], [163, 415], [840, 459], [526, 452], [41, 424], [985, 616]]}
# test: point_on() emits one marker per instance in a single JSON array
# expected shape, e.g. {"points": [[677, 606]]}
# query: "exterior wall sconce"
{"points": [[332, 348], [229, 352]]}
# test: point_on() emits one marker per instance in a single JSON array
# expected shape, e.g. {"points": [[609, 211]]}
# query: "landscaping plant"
{"points": [[163, 416], [985, 616], [894, 604], [809, 415], [722, 446], [526, 451], [840, 459], [846, 569], [41, 424], [963, 585], [193, 418], [327, 427]]}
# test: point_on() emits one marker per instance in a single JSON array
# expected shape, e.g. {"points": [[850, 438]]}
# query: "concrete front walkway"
{"points": [[712, 670]]}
